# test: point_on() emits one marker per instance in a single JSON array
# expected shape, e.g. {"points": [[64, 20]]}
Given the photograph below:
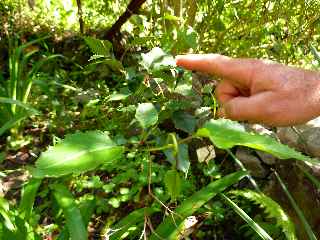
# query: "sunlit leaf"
{"points": [[226, 134], [77, 153], [71, 212], [168, 228], [146, 114]]}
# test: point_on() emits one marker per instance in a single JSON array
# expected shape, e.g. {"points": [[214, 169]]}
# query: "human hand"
{"points": [[260, 91]]}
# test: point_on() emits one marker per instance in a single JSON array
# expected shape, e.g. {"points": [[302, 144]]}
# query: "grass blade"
{"points": [[259, 230], [28, 196], [168, 228], [299, 212], [71, 212]]}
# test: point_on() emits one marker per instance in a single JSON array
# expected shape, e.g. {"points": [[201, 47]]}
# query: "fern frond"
{"points": [[99, 47], [272, 209]]}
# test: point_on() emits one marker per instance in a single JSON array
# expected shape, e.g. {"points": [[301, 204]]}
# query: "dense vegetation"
{"points": [[103, 137]]}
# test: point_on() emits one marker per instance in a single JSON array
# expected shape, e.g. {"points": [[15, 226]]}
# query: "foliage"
{"points": [[271, 208]]}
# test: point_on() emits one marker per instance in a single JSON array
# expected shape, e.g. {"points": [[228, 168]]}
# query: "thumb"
{"points": [[256, 108]]}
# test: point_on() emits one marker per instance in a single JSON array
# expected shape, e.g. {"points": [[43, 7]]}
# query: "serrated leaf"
{"points": [[172, 182], [272, 209], [226, 134], [77, 153], [184, 121], [99, 47], [71, 212], [169, 228], [146, 114]]}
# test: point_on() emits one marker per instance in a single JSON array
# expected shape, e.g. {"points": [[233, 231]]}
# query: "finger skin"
{"points": [[260, 91]]}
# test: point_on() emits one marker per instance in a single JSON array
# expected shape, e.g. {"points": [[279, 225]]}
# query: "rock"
{"points": [[251, 162], [310, 141], [288, 136], [267, 158], [205, 154]]}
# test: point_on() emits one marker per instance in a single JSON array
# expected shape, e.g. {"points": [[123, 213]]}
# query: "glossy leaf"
{"points": [[226, 134], [71, 212], [77, 153], [157, 59], [146, 114], [168, 228]]}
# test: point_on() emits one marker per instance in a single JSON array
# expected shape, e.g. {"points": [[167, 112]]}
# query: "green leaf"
{"points": [[167, 229], [5, 213], [156, 60], [182, 156], [71, 212], [117, 97], [28, 195], [173, 183], [272, 209], [147, 115], [99, 47], [20, 104], [255, 226], [184, 121], [226, 134], [129, 223], [77, 153]]}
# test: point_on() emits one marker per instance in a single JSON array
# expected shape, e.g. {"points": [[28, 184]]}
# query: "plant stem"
{"points": [[239, 163], [187, 139], [295, 206]]}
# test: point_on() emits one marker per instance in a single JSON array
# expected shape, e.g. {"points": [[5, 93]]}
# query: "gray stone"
{"points": [[205, 154], [310, 141], [251, 162], [288, 136], [267, 158]]}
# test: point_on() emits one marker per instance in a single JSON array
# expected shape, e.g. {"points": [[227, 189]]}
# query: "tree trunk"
{"points": [[132, 8], [81, 22]]}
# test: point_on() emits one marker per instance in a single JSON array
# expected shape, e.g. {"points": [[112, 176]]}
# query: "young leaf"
{"points": [[28, 196], [5, 213], [272, 209], [173, 183], [226, 133], [146, 114], [255, 226], [71, 212], [168, 228], [157, 59], [77, 153]]}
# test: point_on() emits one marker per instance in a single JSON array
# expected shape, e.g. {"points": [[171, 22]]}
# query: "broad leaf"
{"points": [[157, 59], [168, 228], [71, 212], [226, 134], [173, 183], [147, 115], [77, 153], [184, 121]]}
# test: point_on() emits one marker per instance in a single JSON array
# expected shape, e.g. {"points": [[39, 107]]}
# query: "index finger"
{"points": [[234, 69]]}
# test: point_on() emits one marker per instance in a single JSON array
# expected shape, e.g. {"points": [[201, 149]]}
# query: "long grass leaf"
{"points": [[28, 196], [169, 228], [71, 212], [299, 212], [255, 226]]}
